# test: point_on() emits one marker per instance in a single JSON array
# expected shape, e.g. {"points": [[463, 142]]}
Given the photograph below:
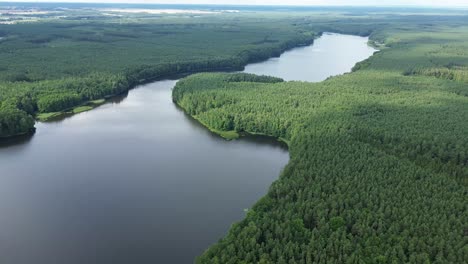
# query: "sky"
{"points": [[438, 3]]}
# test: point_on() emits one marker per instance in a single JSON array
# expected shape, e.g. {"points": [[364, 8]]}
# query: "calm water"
{"points": [[330, 55], [137, 180]]}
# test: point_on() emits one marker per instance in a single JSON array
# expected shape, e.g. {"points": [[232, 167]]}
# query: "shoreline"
{"points": [[228, 135], [87, 106], [29, 133], [233, 134], [46, 117]]}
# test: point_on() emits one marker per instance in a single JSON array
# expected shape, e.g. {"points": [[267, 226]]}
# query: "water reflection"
{"points": [[246, 137], [134, 181], [9, 142]]}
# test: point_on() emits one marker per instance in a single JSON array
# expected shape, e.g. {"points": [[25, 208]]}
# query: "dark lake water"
{"points": [[138, 181]]}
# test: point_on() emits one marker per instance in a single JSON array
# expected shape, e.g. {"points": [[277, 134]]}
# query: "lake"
{"points": [[137, 180], [330, 55]]}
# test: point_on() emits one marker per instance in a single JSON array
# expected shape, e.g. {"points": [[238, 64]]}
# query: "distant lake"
{"points": [[137, 180], [330, 55]]}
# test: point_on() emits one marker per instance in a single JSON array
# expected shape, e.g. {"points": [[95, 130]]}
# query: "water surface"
{"points": [[330, 55], [137, 180]]}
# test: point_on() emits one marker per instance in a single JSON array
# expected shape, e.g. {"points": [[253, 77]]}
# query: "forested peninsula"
{"points": [[379, 162], [378, 157], [74, 66]]}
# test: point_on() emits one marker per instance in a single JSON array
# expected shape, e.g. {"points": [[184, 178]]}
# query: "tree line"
{"points": [[29, 87], [378, 169]]}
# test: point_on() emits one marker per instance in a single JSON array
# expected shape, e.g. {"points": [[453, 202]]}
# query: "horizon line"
{"points": [[246, 5]]}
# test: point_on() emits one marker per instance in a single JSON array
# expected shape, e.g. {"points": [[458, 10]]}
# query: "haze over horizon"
{"points": [[422, 3]]}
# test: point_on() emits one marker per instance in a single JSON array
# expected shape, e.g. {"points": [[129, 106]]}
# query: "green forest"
{"points": [[379, 157], [378, 167], [54, 65]]}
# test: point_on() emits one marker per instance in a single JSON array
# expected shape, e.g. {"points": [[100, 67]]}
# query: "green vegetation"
{"points": [[54, 65], [69, 57], [379, 158], [97, 102], [14, 121], [229, 135], [81, 109], [48, 116]]}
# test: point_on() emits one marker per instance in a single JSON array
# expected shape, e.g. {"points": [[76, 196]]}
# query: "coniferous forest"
{"points": [[55, 65], [379, 165], [378, 169]]}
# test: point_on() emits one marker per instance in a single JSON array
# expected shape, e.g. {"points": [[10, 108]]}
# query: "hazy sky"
{"points": [[447, 3]]}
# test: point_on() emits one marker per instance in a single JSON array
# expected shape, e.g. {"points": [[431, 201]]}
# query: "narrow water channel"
{"points": [[138, 181]]}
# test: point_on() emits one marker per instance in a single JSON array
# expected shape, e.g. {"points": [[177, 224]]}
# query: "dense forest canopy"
{"points": [[53, 65], [64, 58], [379, 157]]}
